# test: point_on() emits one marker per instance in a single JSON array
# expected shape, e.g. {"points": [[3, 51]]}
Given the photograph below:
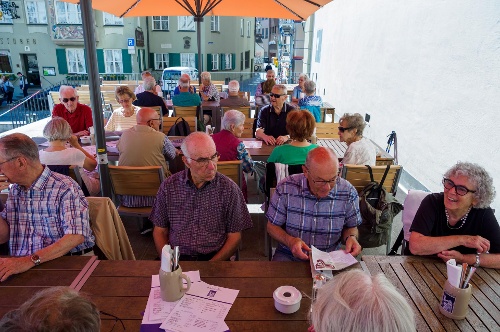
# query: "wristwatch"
{"points": [[35, 259], [478, 261]]}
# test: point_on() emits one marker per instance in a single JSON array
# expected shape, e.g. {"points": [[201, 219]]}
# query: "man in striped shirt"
{"points": [[316, 208], [46, 214]]}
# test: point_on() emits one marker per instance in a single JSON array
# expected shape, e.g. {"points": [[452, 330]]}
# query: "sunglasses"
{"points": [[342, 129], [275, 95], [460, 190], [65, 100]]}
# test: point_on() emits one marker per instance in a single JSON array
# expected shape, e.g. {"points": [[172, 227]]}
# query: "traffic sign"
{"points": [[130, 42]]}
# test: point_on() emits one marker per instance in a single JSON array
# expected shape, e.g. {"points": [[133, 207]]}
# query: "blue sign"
{"points": [[130, 42]]}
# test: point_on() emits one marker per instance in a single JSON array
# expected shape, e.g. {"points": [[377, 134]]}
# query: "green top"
{"points": [[290, 155]]}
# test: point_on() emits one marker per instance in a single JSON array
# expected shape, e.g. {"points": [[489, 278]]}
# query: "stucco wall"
{"points": [[430, 70]]}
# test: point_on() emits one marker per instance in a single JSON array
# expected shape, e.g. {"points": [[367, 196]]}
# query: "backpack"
{"points": [[378, 208], [180, 128]]}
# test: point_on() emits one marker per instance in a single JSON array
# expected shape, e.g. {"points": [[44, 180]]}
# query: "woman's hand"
{"points": [[73, 141]]}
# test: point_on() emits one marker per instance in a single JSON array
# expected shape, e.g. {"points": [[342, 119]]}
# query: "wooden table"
{"points": [[64, 271], [420, 280], [383, 158], [259, 154], [121, 288]]}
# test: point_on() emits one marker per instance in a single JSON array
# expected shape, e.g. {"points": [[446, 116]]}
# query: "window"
{"points": [[7, 17], [67, 13], [228, 61], [242, 31], [161, 61], [247, 59], [249, 26], [110, 19], [75, 58], [186, 23], [266, 34], [187, 60], [214, 24], [215, 61], [160, 23], [113, 61], [36, 12], [5, 66]]}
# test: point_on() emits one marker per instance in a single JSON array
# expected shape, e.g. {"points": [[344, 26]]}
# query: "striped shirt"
{"points": [[52, 207], [119, 122], [318, 222]]}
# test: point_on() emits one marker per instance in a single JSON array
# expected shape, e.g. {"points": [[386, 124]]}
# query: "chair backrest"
{"points": [[411, 205], [169, 121], [248, 131], [359, 176], [271, 178], [244, 109], [327, 130], [232, 169], [185, 111], [136, 180]]}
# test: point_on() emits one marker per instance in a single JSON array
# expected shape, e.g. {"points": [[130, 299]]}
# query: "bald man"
{"points": [[317, 208]]}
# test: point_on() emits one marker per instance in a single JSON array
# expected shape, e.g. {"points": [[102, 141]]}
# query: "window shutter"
{"points": [[209, 62], [196, 61], [127, 61], [152, 60], [233, 61], [174, 59], [222, 61], [100, 60], [61, 60]]}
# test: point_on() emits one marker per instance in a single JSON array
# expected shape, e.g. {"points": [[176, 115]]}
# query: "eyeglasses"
{"points": [[124, 101], [116, 320], [8, 160], [275, 95], [159, 119], [205, 161], [65, 100], [342, 129], [460, 190], [330, 182]]}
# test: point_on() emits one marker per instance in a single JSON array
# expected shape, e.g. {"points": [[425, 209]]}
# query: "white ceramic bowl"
{"points": [[85, 139]]}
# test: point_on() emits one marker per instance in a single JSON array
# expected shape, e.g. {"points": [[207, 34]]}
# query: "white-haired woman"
{"points": [[355, 301], [458, 223], [360, 150], [208, 91], [299, 88], [57, 131], [230, 147]]}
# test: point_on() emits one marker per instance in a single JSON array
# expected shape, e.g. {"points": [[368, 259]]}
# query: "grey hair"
{"points": [[184, 84], [232, 118], [485, 191], [54, 309], [68, 87], [304, 76], [57, 129], [193, 137], [206, 76], [354, 121], [309, 87], [355, 301], [18, 144], [148, 83], [282, 87], [233, 85]]}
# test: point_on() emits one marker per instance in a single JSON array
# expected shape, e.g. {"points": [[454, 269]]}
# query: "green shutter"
{"points": [[233, 61], [174, 59], [61, 60], [152, 60], [196, 61], [85, 60], [209, 62], [222, 61], [127, 61], [100, 60]]}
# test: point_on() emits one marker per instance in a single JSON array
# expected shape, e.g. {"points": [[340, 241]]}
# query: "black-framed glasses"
{"points": [[3, 162], [275, 95], [116, 320], [342, 129], [460, 190], [65, 100], [205, 161]]}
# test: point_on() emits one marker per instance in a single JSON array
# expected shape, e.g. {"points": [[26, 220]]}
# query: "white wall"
{"points": [[430, 70]]}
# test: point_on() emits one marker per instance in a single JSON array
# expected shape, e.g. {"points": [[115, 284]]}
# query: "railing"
{"points": [[30, 109]]}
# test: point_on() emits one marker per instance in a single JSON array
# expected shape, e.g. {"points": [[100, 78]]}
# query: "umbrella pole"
{"points": [[198, 21], [95, 95]]}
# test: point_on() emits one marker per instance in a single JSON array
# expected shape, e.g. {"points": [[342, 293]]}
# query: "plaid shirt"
{"points": [[198, 220], [52, 207], [318, 222]]}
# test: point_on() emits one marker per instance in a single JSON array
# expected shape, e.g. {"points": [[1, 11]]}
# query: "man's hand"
{"points": [[82, 133], [352, 246], [297, 247], [475, 241], [281, 140], [269, 140], [14, 265]]}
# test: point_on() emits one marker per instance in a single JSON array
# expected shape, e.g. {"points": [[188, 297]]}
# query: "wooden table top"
{"points": [[420, 280], [121, 288], [383, 158]]}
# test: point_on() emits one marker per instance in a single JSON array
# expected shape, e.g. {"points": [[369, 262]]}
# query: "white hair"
{"points": [[233, 86], [149, 83], [232, 117]]}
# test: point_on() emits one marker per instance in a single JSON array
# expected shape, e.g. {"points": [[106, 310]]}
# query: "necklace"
{"points": [[462, 220]]}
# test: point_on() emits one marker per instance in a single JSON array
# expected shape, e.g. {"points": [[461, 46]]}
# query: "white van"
{"points": [[171, 75]]}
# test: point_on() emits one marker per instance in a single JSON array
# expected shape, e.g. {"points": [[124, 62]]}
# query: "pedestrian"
{"points": [[9, 89], [23, 83]]}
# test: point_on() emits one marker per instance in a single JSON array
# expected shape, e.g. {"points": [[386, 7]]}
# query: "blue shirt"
{"points": [[313, 105]]}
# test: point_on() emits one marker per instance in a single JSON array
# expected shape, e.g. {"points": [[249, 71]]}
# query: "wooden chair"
{"points": [[232, 169], [248, 131], [244, 109], [135, 181], [327, 130], [169, 121], [359, 176], [186, 111]]}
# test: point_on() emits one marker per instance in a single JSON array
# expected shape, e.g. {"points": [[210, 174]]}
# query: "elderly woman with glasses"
{"points": [[360, 150], [230, 147], [458, 223], [299, 91], [124, 117]]}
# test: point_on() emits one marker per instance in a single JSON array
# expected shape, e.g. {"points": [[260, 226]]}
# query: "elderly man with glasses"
{"points": [[314, 208], [79, 116], [271, 123], [200, 210]]}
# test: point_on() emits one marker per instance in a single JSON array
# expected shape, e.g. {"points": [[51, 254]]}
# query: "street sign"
{"points": [[130, 42]]}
